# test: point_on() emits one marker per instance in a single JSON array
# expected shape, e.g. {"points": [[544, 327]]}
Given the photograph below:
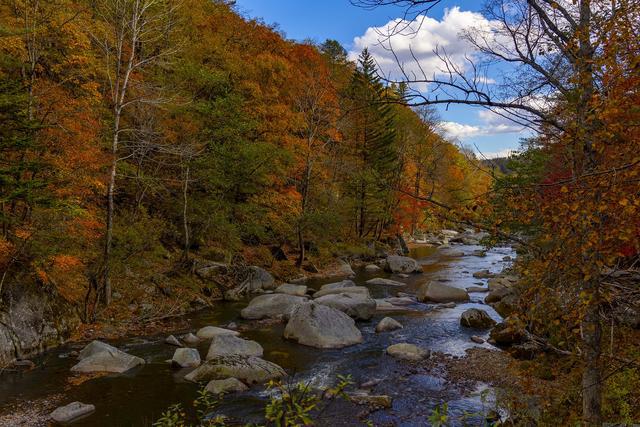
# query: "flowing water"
{"points": [[138, 397]]}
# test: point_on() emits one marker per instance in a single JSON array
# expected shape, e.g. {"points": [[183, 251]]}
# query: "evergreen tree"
{"points": [[373, 133]]}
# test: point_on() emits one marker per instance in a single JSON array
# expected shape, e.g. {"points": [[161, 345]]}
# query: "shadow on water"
{"points": [[138, 397]]}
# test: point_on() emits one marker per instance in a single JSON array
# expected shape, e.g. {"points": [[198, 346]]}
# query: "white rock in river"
{"points": [[171, 340], [209, 332], [228, 385], [372, 268], [186, 357], [71, 412], [354, 305], [438, 292], [388, 324], [402, 264], [320, 326], [357, 290], [291, 289], [271, 306], [101, 357], [190, 339], [407, 352], [225, 345], [384, 282], [249, 369]]}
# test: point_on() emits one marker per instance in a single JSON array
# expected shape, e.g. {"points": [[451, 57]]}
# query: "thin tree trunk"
{"points": [[592, 377], [185, 222], [110, 211]]}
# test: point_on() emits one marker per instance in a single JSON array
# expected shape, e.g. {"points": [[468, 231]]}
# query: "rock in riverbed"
{"points": [[372, 268], [354, 305], [101, 357], [406, 351], [271, 306], [291, 289], [171, 340], [321, 326], [186, 358], [72, 412], [402, 264], [190, 339], [388, 324], [437, 292], [249, 369], [384, 282], [227, 345], [356, 290], [475, 318], [229, 385], [483, 274], [209, 332]]}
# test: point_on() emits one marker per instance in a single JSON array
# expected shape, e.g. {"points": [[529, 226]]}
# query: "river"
{"points": [[138, 397]]}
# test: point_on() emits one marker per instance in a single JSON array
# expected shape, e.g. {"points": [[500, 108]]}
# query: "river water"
{"points": [[138, 397]]}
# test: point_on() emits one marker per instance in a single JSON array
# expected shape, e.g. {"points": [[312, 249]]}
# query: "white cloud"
{"points": [[422, 38], [491, 124]]}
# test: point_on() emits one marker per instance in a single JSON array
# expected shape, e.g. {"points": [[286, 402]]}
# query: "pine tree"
{"points": [[374, 138]]}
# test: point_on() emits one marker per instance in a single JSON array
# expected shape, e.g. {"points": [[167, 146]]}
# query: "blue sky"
{"points": [[319, 20]]}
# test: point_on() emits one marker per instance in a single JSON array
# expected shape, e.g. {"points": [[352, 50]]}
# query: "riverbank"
{"points": [[415, 388]]}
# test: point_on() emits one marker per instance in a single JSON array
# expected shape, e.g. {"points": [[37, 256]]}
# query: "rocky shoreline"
{"points": [[322, 318]]}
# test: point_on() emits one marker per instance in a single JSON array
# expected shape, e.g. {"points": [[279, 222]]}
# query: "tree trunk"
{"points": [[591, 377], [185, 222], [110, 212]]}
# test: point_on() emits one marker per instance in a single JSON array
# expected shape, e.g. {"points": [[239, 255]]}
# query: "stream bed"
{"points": [[138, 397]]}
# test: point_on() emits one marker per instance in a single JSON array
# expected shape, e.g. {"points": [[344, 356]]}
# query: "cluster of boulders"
{"points": [[446, 237]]}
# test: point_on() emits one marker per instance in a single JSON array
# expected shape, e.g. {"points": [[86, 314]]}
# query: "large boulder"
{"points": [[356, 290], [271, 306], [340, 269], [406, 351], [259, 278], [101, 357], [388, 324], [475, 318], [384, 282], [438, 292], [249, 369], [229, 385], [291, 289], [209, 332], [71, 412], [225, 345], [506, 306], [186, 358], [402, 264], [497, 294], [321, 326], [354, 305]]}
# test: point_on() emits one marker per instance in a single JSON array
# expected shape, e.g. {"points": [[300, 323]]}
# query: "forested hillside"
{"points": [[141, 137]]}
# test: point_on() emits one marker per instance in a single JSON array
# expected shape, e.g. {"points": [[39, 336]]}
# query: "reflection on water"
{"points": [[139, 397]]}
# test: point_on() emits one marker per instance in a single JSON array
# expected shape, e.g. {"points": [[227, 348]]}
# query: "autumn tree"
{"points": [[132, 37], [562, 57]]}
